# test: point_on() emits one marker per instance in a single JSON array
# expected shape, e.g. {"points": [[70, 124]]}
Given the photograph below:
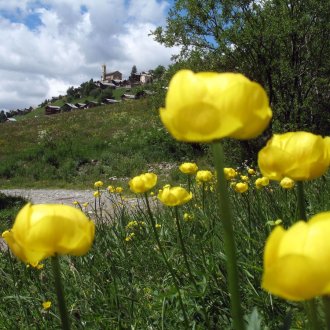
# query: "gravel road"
{"points": [[57, 196]]}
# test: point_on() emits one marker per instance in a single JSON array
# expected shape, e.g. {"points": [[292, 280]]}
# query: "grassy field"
{"points": [[72, 149]]}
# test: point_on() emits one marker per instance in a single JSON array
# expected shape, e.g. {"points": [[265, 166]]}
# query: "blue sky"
{"points": [[48, 46]]}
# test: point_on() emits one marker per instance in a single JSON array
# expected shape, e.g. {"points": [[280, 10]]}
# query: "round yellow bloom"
{"points": [[296, 155], [241, 187], [111, 189], [46, 305], [244, 178], [97, 194], [174, 196], [287, 183], [143, 182], [188, 168], [262, 182], [251, 171], [119, 190], [41, 231], [230, 173], [207, 106], [204, 176], [98, 184], [296, 261]]}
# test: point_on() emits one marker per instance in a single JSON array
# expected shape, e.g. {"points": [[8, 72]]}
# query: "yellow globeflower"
{"points": [[41, 231], [204, 176], [241, 187], [188, 168], [262, 182], [296, 155], [296, 261], [143, 182], [251, 171], [46, 305], [174, 196], [98, 184], [287, 183], [207, 106], [230, 173]]}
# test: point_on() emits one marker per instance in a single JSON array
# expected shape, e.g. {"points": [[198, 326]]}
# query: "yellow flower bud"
{"points": [[230, 173], [174, 196], [46, 305], [143, 182], [41, 231], [251, 171], [119, 190], [287, 183], [111, 189], [244, 178], [98, 184], [241, 187], [204, 176], [188, 168], [262, 182], [207, 106], [97, 194], [297, 155], [296, 261]]}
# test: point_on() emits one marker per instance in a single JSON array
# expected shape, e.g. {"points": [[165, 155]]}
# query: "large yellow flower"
{"points": [[207, 106], [143, 182], [296, 155], [204, 176], [41, 231], [174, 196], [296, 261]]}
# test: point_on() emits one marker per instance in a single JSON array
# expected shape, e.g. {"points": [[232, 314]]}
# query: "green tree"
{"points": [[282, 44]]}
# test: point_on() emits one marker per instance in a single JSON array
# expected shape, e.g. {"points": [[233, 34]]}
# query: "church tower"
{"points": [[104, 71]]}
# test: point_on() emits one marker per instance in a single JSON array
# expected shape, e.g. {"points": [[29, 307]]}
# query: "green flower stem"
{"points": [[60, 293], [229, 240], [167, 263], [326, 305], [310, 305], [301, 201], [185, 258]]}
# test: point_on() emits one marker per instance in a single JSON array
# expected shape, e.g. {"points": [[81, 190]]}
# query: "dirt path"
{"points": [[57, 196]]}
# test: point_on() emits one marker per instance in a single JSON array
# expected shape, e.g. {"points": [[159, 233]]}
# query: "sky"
{"points": [[46, 46]]}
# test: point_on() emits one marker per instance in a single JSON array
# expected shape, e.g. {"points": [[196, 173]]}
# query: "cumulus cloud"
{"points": [[44, 49]]}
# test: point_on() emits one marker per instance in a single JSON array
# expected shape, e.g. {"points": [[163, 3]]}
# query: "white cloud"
{"points": [[44, 49]]}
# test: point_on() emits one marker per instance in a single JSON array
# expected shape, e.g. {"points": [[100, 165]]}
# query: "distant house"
{"points": [[68, 107], [128, 97], [52, 109], [80, 105], [145, 78], [92, 104], [111, 101]]}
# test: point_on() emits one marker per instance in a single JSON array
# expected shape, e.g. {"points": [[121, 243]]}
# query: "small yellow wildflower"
{"points": [[75, 203], [287, 183], [204, 176], [158, 225], [46, 305], [188, 168], [230, 173], [188, 217], [97, 194], [85, 204], [241, 187], [244, 178], [98, 184], [129, 237], [262, 182], [111, 189], [251, 171], [119, 190]]}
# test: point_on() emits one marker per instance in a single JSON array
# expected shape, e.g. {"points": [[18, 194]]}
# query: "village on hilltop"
{"points": [[109, 81]]}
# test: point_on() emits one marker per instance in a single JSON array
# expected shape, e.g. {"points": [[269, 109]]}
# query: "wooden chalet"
{"points": [[52, 109]]}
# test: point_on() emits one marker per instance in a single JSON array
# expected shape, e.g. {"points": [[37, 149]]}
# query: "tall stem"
{"points": [[60, 293], [229, 240], [310, 305], [185, 258], [167, 263]]}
